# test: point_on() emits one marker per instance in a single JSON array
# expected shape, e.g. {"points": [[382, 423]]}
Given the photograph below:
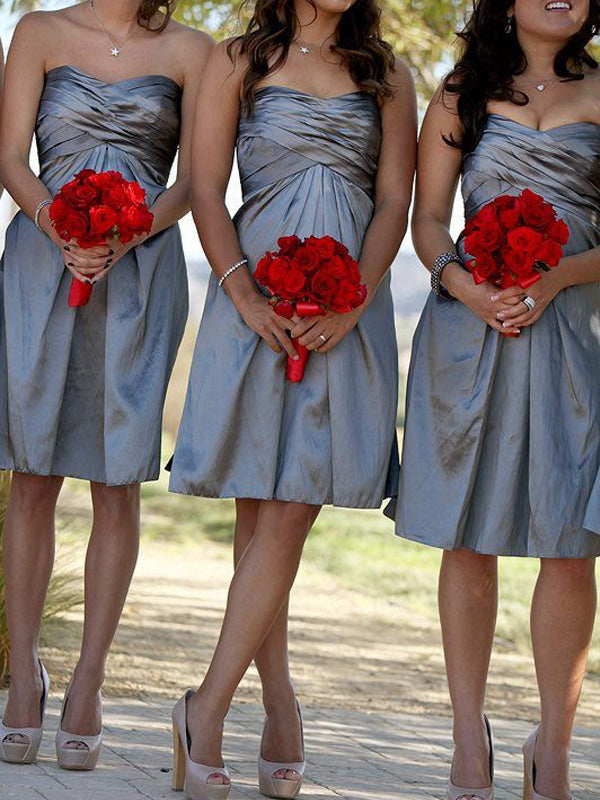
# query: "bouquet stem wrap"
{"points": [[295, 368], [79, 293]]}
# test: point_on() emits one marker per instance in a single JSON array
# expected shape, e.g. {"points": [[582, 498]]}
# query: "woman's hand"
{"points": [[518, 315], [258, 315], [82, 264], [478, 298], [324, 333], [117, 251]]}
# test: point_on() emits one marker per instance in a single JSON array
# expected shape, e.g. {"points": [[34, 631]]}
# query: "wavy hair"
{"points": [[148, 10], [273, 27], [490, 59]]}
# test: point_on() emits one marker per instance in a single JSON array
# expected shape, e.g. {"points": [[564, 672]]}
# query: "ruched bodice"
{"points": [[290, 133], [502, 437], [562, 163], [131, 125], [308, 167], [87, 386]]}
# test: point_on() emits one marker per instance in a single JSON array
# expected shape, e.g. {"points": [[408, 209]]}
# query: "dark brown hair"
{"points": [[490, 59], [148, 10], [273, 26]]}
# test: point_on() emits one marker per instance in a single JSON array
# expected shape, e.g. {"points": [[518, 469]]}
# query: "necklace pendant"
{"points": [[304, 50], [115, 51], [541, 87]]}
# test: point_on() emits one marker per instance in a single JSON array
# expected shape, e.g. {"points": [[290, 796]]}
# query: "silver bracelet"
{"points": [[439, 266], [38, 211], [231, 270]]}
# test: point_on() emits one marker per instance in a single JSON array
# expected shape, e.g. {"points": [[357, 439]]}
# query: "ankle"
{"points": [[202, 705], [469, 730], [88, 676], [279, 699]]}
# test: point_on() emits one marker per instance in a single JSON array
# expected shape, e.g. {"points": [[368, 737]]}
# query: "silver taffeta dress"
{"points": [[308, 167], [82, 391], [502, 442]]}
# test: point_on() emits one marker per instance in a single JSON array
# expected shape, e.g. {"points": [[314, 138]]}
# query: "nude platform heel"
{"points": [[281, 788], [529, 792], [83, 758], [25, 752], [187, 774], [457, 793]]}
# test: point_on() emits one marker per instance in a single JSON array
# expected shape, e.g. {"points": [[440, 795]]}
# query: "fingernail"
{"points": [[111, 252], [494, 297], [507, 324], [70, 264], [67, 247], [90, 282], [501, 315]]}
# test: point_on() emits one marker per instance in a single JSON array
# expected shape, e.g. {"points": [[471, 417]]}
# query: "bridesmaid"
{"points": [[502, 441], [324, 123], [108, 84]]}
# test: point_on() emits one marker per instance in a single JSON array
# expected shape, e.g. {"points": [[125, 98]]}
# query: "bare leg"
{"points": [[562, 621], [468, 601], [258, 591], [111, 558], [282, 740], [28, 561]]}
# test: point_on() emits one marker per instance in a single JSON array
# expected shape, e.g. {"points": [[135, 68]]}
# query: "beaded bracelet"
{"points": [[231, 270], [38, 211], [439, 266]]}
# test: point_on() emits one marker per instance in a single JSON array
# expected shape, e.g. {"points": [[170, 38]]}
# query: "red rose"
{"points": [[550, 252], [484, 267], [135, 193], [261, 273], [114, 196], [509, 211], [518, 261], [535, 211], [85, 173], [90, 240], [323, 287], [102, 219], [278, 269], [524, 239], [104, 180], [135, 219], [306, 259], [288, 245], [59, 209], [294, 282], [559, 232], [325, 246], [487, 215], [75, 224], [347, 297]]}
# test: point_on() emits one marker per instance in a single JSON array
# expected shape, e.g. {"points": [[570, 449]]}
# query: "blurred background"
{"points": [[364, 618]]}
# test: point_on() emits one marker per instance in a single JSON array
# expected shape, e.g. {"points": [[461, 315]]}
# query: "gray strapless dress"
{"points": [[82, 391], [502, 441], [307, 167]]}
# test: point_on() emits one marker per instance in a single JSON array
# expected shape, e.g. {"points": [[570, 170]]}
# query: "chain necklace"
{"points": [[541, 86], [306, 48], [116, 48]]}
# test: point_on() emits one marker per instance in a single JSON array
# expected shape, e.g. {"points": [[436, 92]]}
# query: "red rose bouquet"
{"points": [[94, 207], [309, 277], [512, 240]]}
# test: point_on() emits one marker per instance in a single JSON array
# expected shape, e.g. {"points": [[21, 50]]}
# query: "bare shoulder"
{"points": [[401, 78], [227, 63], [191, 41]]}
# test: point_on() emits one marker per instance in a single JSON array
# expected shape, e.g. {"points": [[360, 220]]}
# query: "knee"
{"points": [[475, 572], [116, 506], [293, 522], [34, 494], [570, 573]]}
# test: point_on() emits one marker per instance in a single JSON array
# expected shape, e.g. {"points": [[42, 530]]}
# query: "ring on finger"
{"points": [[529, 302], [323, 338]]}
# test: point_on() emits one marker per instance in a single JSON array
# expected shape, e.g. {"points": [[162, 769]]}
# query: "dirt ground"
{"points": [[347, 651]]}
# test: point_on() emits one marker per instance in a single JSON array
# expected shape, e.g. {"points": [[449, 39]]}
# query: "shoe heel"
{"points": [[526, 784], [178, 762]]}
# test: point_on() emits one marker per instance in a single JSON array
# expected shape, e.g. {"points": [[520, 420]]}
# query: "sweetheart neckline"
{"points": [[312, 96], [544, 130], [148, 76]]}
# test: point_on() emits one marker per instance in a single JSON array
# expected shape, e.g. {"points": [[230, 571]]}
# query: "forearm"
{"points": [[382, 242], [26, 189], [578, 269], [171, 206], [222, 248]]}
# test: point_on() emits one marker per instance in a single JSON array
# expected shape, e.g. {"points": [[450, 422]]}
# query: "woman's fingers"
{"points": [[523, 319], [285, 342], [513, 312], [282, 322], [507, 294], [102, 251], [305, 324], [332, 342], [312, 338], [76, 274]]}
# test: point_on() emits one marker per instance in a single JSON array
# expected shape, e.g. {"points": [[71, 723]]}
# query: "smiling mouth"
{"points": [[558, 5]]}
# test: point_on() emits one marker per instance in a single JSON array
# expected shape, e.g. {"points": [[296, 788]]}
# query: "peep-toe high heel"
{"points": [[281, 788], [529, 771], [84, 757], [25, 752], [188, 775], [460, 793]]}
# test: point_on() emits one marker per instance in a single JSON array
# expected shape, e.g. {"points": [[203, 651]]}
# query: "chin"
{"points": [[552, 19], [334, 6]]}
